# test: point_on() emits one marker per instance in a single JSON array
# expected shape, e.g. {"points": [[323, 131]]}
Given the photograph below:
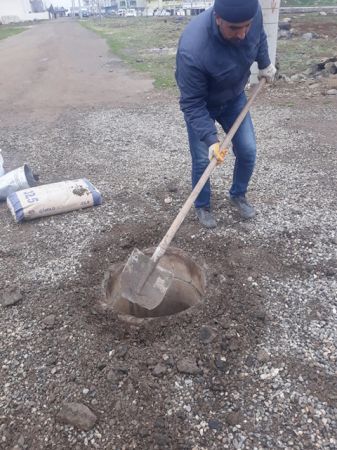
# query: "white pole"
{"points": [[100, 12], [270, 11]]}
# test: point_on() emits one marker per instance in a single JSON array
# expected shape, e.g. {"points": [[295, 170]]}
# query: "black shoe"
{"points": [[245, 209], [206, 217]]}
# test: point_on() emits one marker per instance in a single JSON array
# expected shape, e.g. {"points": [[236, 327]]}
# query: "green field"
{"points": [[148, 44], [8, 30]]}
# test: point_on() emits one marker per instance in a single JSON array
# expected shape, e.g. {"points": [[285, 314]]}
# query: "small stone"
{"points": [[284, 34], [49, 321], [215, 424], [122, 351], [168, 200], [261, 315], [270, 375], [330, 272], [159, 370], [162, 440], [207, 334], [262, 356], [332, 92], [116, 374], [159, 423], [234, 345], [308, 36], [188, 366], [284, 25], [233, 418], [77, 415], [295, 77], [172, 188], [143, 433], [10, 297], [250, 361], [102, 365], [52, 398], [220, 363], [331, 68]]}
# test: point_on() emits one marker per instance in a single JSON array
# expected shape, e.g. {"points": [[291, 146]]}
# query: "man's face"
{"points": [[233, 32]]}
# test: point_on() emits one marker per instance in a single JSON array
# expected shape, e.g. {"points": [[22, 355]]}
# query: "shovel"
{"points": [[143, 281]]}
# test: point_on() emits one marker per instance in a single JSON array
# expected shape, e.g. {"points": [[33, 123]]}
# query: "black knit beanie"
{"points": [[236, 11]]}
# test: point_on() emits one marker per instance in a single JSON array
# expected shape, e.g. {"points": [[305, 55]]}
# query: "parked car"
{"points": [[131, 13], [121, 12], [161, 12]]}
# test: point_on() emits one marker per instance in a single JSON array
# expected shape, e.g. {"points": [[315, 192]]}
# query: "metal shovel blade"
{"points": [[144, 282]]}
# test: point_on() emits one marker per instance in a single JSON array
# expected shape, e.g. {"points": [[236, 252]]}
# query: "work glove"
{"points": [[214, 151], [268, 73]]}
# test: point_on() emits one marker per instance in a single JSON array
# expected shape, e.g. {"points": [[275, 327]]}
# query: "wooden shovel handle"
{"points": [[165, 242]]}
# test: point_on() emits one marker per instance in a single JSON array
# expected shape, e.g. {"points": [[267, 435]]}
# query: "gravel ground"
{"points": [[254, 367]]}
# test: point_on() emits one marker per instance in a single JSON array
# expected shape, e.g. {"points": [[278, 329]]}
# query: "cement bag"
{"points": [[16, 180], [2, 170], [55, 198]]}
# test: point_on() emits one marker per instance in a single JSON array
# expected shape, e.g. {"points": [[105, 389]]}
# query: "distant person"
{"points": [[215, 53], [51, 12]]}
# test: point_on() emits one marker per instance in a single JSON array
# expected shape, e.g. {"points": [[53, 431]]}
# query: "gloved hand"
{"points": [[268, 73], [214, 151]]}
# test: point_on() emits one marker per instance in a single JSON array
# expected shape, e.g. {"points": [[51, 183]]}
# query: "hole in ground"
{"points": [[186, 291]]}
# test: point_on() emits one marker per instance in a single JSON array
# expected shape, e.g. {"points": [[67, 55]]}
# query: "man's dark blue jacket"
{"points": [[210, 70]]}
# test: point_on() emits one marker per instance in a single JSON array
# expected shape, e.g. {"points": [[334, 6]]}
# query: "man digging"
{"points": [[215, 53]]}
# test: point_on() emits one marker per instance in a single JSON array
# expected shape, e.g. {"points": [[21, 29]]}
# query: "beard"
{"points": [[237, 42]]}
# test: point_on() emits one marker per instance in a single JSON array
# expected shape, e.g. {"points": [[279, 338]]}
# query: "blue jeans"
{"points": [[244, 148]]}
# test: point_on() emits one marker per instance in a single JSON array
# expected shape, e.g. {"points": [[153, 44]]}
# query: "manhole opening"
{"points": [[186, 291]]}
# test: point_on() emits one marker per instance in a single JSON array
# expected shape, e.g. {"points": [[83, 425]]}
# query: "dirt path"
{"points": [[59, 65]]}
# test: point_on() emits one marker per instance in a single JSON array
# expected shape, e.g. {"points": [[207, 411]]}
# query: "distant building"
{"points": [[37, 6], [20, 11], [176, 7], [60, 11], [138, 5]]}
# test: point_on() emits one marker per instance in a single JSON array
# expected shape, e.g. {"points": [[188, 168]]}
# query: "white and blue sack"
{"points": [[55, 198], [16, 180], [2, 170]]}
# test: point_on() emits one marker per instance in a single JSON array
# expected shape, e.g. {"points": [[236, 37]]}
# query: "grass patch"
{"points": [[147, 44], [295, 55], [8, 30]]}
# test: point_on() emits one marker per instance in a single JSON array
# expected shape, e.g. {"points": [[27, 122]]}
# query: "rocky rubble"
{"points": [[318, 76], [253, 368], [321, 72]]}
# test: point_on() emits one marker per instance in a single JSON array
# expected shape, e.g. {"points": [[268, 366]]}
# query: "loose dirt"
{"points": [[251, 367]]}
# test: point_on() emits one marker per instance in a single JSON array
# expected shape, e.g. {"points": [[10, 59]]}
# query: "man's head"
{"points": [[234, 18]]}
